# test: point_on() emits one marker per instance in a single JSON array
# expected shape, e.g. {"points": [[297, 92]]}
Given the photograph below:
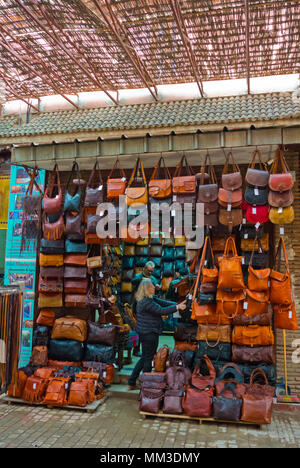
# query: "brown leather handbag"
{"points": [[39, 356], [94, 193], [116, 186], [203, 381], [34, 389], [219, 243], [257, 409], [51, 272], [280, 179], [105, 334], [257, 389], [137, 195], [78, 395], [208, 275], [46, 317], [256, 302], [280, 199], [230, 268], [51, 260], [151, 400], [280, 288], [76, 286], [198, 402], [246, 354], [160, 359], [253, 335], [184, 184], [286, 316], [243, 319], [75, 300], [50, 285], [208, 192], [74, 272], [229, 303], [222, 333], [53, 231], [50, 300], [158, 187], [256, 244], [233, 180], [257, 177], [184, 346], [74, 227], [230, 197], [230, 218], [52, 204], [74, 259], [69, 328]]}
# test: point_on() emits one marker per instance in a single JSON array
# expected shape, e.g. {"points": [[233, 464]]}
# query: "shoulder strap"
{"points": [[262, 165], [281, 243], [134, 172], [257, 372], [211, 170], [230, 244], [180, 165], [157, 169], [32, 182], [117, 163], [75, 169], [54, 176], [234, 164]]}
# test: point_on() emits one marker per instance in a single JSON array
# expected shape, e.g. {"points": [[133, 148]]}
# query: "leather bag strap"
{"points": [[95, 170], [157, 169], [117, 163], [134, 172]]}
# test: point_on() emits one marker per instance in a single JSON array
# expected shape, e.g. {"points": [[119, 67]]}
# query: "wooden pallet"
{"points": [[195, 418], [90, 408]]}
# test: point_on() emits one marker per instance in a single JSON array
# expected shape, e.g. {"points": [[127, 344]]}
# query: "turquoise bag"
{"points": [[72, 202], [75, 247]]}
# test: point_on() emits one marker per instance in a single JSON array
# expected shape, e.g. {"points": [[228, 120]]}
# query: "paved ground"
{"points": [[117, 424]]}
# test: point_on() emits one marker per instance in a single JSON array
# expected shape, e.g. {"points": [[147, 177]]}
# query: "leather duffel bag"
{"points": [[244, 354], [100, 352], [185, 332], [253, 335], [70, 328], [66, 350], [219, 352], [221, 333], [105, 334]]}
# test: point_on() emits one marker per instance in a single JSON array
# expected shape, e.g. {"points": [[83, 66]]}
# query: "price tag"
{"points": [[257, 226], [280, 210], [290, 314], [115, 366], [253, 210], [100, 274], [123, 179], [246, 235], [101, 187], [243, 260], [66, 386], [190, 297], [205, 263], [228, 207], [281, 231], [244, 221], [174, 198], [173, 213], [269, 284], [260, 250], [180, 363], [256, 192], [101, 213], [104, 374], [245, 306], [152, 363], [34, 386]]}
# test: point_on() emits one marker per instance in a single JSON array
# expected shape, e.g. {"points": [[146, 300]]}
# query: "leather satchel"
{"points": [[208, 192], [137, 195], [50, 300], [280, 179], [198, 402], [244, 319], [103, 353], [250, 232], [280, 283], [256, 302], [173, 401], [116, 186], [233, 198], [261, 244], [71, 272], [258, 280], [257, 177], [75, 247], [225, 408], [222, 333], [52, 247], [184, 184], [160, 359], [256, 196], [153, 380], [75, 259], [94, 193], [282, 215], [76, 286], [231, 181], [259, 389], [158, 187], [151, 400], [253, 335], [46, 317], [74, 226], [286, 316], [105, 334], [185, 332], [69, 328], [280, 199], [257, 409], [52, 204], [53, 231], [50, 285], [75, 300], [256, 354], [230, 268], [51, 272], [230, 218], [256, 214]]}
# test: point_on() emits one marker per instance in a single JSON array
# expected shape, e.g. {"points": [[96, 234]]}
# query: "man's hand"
{"points": [[182, 305]]}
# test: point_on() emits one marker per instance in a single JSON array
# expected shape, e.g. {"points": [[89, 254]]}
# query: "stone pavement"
{"points": [[118, 424]]}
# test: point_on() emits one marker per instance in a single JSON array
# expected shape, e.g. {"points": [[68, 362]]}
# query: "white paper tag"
{"points": [[104, 374], [180, 363], [173, 213], [174, 198], [260, 250], [269, 284], [66, 386], [245, 306], [123, 179], [101, 213], [281, 231], [253, 210], [205, 263], [290, 314], [190, 297], [152, 363], [246, 235], [256, 192], [100, 274], [101, 187], [115, 366], [34, 386], [228, 207], [243, 260], [280, 210], [257, 226], [244, 221]]}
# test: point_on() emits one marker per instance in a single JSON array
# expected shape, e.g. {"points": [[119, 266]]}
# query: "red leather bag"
{"points": [[198, 403], [202, 381], [256, 214]]}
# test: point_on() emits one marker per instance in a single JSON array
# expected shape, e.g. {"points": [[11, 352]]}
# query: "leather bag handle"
{"points": [[157, 168], [281, 244], [95, 170], [257, 372], [262, 165], [211, 170], [134, 172], [179, 167], [209, 364], [117, 163], [233, 162], [228, 366], [32, 182], [230, 244], [54, 176]]}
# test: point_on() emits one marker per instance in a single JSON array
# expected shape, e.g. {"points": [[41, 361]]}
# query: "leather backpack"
{"points": [[116, 186], [160, 359], [94, 193], [281, 179], [230, 268], [52, 204], [257, 177], [231, 180], [137, 195], [158, 187]]}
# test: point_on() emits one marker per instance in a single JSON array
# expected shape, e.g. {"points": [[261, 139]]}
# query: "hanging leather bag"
{"points": [[160, 188], [116, 186], [75, 259], [50, 300], [208, 192], [256, 302], [51, 272], [282, 215], [286, 316], [280, 199], [233, 198], [76, 286], [280, 179], [72, 202], [137, 195], [184, 184], [215, 351], [94, 193], [53, 231], [75, 300], [203, 381], [230, 268], [52, 204], [257, 177], [46, 317], [52, 247], [261, 244], [263, 319], [256, 214], [230, 218], [50, 286], [206, 333], [280, 283], [233, 180], [160, 359], [74, 227]]}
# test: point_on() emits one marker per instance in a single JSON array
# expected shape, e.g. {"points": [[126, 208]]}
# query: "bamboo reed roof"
{"points": [[70, 46]]}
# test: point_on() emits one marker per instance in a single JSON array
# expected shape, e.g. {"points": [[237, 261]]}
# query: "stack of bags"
{"points": [[230, 195], [253, 239], [280, 195]]}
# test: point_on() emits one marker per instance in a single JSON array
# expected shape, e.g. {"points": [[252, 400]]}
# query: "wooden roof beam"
{"points": [[62, 47], [16, 94], [123, 39], [177, 13]]}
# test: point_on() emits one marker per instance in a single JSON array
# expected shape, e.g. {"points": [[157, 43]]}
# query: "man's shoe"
{"points": [[133, 387]]}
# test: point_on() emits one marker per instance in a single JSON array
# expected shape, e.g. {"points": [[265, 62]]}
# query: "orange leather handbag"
{"points": [[230, 197], [116, 186], [209, 275], [46, 317], [280, 289], [56, 393], [230, 268], [137, 195], [280, 178], [74, 259], [78, 395], [229, 303], [256, 302], [16, 389], [34, 389], [218, 334], [258, 280], [69, 328], [286, 316], [184, 184], [252, 335], [160, 188], [160, 359]]}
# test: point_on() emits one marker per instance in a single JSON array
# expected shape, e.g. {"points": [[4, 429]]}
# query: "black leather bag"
{"points": [[256, 196], [52, 247], [185, 332], [219, 352], [189, 358], [105, 334], [41, 336], [94, 352], [74, 227], [66, 350], [259, 260], [251, 232], [227, 409], [247, 369]]}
